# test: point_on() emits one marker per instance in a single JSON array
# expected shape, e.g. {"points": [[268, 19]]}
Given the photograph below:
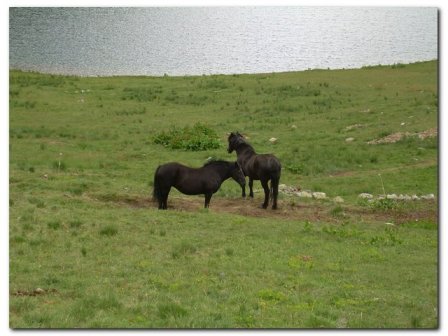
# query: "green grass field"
{"points": [[88, 248]]}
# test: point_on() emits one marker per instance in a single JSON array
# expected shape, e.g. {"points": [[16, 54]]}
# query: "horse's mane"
{"points": [[240, 141], [216, 162]]}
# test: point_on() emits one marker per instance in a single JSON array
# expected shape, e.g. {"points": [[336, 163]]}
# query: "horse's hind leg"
{"points": [[164, 199], [264, 184], [274, 185], [207, 199]]}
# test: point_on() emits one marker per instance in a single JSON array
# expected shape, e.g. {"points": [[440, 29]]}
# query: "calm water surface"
{"points": [[211, 40]]}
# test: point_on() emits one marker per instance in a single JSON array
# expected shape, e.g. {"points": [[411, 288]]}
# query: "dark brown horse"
{"points": [[263, 167], [194, 181]]}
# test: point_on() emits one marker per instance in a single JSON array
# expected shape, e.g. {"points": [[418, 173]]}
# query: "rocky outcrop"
{"points": [[400, 197]]}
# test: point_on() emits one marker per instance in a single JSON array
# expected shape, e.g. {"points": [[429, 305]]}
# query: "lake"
{"points": [[217, 40]]}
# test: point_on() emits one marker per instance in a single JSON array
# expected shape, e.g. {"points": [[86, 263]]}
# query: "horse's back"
{"points": [[268, 162], [169, 171], [264, 166], [189, 181]]}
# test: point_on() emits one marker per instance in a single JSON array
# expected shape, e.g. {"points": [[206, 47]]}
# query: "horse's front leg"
{"points": [[208, 196], [251, 184], [243, 188]]}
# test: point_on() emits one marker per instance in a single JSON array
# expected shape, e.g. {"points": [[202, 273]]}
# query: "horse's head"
{"points": [[238, 175], [234, 139]]}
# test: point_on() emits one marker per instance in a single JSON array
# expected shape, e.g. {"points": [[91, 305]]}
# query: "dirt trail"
{"points": [[313, 211]]}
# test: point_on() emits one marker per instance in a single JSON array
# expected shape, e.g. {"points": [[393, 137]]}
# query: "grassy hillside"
{"points": [[84, 230]]}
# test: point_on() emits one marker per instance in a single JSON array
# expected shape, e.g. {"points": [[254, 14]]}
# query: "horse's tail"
{"points": [[275, 178], [156, 194]]}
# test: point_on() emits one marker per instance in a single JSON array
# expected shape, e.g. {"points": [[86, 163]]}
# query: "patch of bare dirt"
{"points": [[34, 292], [431, 133], [252, 208], [392, 138], [417, 215], [313, 211]]}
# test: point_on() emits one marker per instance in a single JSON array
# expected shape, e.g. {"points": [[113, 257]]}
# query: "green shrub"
{"points": [[384, 204], [54, 224], [109, 230], [171, 310], [141, 94], [199, 137]]}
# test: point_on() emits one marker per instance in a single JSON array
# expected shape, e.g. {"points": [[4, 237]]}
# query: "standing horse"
{"points": [[263, 167], [194, 181]]}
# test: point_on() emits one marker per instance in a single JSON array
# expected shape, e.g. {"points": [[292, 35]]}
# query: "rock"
{"points": [[273, 140], [349, 139], [415, 197], [289, 190], [305, 194], [338, 199], [39, 291], [428, 197], [349, 128], [365, 196], [293, 126], [404, 197], [392, 196], [319, 195]]}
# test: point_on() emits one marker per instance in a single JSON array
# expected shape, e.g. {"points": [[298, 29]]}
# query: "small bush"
{"points": [[78, 189], [384, 204], [59, 165], [338, 211], [109, 230], [183, 248], [214, 83], [141, 94], [229, 252], [55, 225], [397, 66], [271, 295], [171, 309], [196, 138], [75, 224]]}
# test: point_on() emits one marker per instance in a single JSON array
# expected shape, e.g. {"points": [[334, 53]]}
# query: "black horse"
{"points": [[194, 181], [263, 167]]}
